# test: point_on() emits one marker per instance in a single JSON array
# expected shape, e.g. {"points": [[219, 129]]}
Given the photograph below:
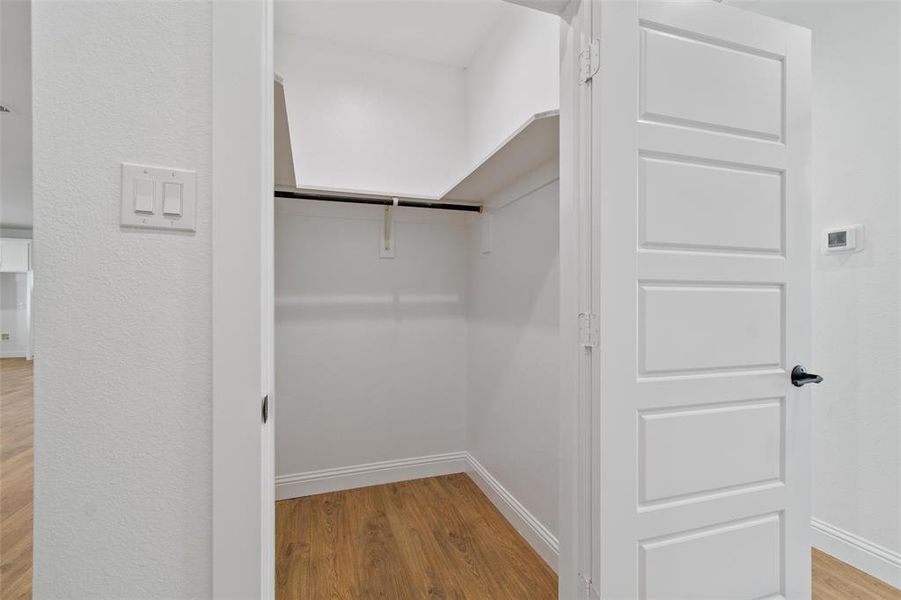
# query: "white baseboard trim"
{"points": [[876, 560], [12, 354], [298, 485], [535, 533]]}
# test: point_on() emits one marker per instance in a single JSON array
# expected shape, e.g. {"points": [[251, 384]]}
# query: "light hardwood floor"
{"points": [[442, 538], [16, 478], [429, 538], [835, 580]]}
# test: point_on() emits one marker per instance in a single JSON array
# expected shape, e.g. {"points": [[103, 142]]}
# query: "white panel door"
{"points": [[700, 173]]}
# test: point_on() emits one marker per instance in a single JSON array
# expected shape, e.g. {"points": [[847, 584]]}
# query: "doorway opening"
{"points": [[417, 299]]}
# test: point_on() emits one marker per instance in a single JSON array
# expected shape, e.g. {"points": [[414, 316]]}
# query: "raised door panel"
{"points": [[696, 451], [693, 328], [694, 204], [731, 561], [712, 84]]}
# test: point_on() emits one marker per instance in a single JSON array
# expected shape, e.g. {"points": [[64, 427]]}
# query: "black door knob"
{"points": [[801, 377]]}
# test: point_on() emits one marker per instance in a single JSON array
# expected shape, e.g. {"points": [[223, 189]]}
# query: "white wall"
{"points": [[513, 406], [15, 126], [856, 341], [370, 352], [13, 316], [122, 318], [371, 121], [514, 74]]}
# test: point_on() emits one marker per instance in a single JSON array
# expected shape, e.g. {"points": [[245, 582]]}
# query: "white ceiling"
{"points": [[443, 31]]}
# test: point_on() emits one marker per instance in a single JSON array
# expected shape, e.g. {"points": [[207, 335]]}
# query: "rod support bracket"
{"points": [[386, 247]]}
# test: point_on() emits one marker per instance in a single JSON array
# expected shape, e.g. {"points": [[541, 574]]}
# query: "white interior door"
{"points": [[700, 171]]}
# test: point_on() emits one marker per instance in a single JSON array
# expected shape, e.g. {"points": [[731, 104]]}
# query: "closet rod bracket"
{"points": [[386, 248]]}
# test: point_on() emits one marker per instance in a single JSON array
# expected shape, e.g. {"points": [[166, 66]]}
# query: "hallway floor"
{"points": [[441, 537], [16, 478], [835, 580], [356, 543]]}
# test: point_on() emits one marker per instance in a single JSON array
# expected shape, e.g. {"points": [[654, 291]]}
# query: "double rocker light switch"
{"points": [[158, 197]]}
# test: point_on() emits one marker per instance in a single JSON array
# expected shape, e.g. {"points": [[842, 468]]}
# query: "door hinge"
{"points": [[588, 330], [589, 61]]}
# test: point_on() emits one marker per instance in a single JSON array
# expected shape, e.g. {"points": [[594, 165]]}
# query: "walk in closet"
{"points": [[416, 251]]}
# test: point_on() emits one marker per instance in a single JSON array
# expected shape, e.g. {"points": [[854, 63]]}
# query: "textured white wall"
{"points": [[370, 353], [513, 408], [856, 342], [15, 126], [13, 316], [514, 74], [122, 317], [372, 121]]}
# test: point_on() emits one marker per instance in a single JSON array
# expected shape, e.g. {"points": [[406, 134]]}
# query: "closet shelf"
{"points": [[532, 145], [535, 143]]}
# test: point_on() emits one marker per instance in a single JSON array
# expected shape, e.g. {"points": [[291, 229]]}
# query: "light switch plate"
{"points": [[134, 204]]}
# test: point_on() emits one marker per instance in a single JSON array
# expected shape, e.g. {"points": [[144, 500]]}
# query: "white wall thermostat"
{"points": [[843, 239]]}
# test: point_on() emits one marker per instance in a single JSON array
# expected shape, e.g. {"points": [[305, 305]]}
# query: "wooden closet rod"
{"points": [[379, 200]]}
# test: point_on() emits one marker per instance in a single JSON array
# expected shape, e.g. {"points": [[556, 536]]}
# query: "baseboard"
{"points": [[347, 478], [876, 560], [535, 533], [12, 354]]}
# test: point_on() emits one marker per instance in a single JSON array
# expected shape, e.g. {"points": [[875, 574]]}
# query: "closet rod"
{"points": [[379, 200]]}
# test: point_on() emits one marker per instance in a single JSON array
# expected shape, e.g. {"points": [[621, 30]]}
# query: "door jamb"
{"points": [[242, 180], [243, 561], [576, 296]]}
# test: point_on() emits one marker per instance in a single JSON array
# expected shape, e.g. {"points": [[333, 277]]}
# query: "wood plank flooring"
{"points": [[835, 580], [16, 478], [429, 538], [442, 538]]}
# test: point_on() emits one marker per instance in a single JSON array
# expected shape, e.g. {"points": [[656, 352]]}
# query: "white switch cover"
{"points": [[158, 197]]}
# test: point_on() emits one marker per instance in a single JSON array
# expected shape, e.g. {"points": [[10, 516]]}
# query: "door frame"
{"points": [[578, 296], [243, 549]]}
